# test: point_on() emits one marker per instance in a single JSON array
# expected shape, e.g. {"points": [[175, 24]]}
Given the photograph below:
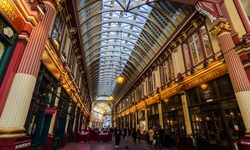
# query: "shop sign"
{"points": [[22, 145], [50, 111], [169, 93], [11, 14], [206, 77]]}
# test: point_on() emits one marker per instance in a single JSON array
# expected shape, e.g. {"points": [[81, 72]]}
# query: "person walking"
{"points": [[117, 135], [161, 135], [134, 135], [157, 143], [138, 134], [150, 134], [127, 135]]}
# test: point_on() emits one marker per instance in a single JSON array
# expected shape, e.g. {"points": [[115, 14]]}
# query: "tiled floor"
{"points": [[108, 145]]}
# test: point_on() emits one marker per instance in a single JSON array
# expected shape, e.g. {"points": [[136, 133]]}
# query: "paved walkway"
{"points": [[109, 145]]}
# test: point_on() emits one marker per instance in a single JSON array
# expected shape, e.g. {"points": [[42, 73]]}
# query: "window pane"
{"points": [[171, 68], [246, 7], [206, 41], [199, 50], [166, 71], [193, 52], [1, 50], [196, 49], [186, 55]]}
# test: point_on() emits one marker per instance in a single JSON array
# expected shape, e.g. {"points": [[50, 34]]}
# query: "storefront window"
{"points": [[193, 97], [225, 88]]}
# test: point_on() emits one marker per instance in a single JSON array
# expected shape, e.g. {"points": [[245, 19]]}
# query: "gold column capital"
{"points": [[58, 4], [217, 29]]}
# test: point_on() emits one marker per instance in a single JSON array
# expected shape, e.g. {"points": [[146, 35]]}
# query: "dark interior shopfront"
{"points": [[215, 116]]}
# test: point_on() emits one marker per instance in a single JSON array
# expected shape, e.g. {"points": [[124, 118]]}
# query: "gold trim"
{"points": [[12, 130], [217, 29], [12, 135]]}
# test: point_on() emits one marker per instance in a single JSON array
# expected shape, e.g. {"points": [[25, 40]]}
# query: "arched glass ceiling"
{"points": [[122, 37]]}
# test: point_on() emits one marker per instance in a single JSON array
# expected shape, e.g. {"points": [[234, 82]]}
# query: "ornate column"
{"points": [[18, 101], [236, 71]]}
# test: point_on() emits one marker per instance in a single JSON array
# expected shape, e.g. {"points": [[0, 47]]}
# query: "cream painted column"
{"points": [[67, 120], [186, 115], [16, 108], [75, 119], [236, 71], [160, 114], [146, 118], [129, 119], [53, 119]]}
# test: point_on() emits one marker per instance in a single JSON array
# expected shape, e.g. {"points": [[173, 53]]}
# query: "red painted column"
{"points": [[237, 75], [235, 68], [18, 100]]}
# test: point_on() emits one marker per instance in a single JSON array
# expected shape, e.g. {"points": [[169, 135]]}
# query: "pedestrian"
{"points": [[157, 143], [134, 135], [117, 135], [150, 134], [161, 135], [138, 133], [126, 134]]}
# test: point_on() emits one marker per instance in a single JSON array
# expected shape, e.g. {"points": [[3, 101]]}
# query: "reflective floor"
{"points": [[109, 145]]}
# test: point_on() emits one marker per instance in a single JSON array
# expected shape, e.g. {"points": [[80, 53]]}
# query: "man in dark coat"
{"points": [[117, 135]]}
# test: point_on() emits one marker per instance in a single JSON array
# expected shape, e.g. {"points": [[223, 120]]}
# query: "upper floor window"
{"points": [[150, 84], [167, 70], [197, 48], [139, 94], [246, 6], [71, 59], [57, 31]]}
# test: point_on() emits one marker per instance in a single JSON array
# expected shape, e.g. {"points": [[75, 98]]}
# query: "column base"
{"points": [[49, 142], [245, 142], [14, 143]]}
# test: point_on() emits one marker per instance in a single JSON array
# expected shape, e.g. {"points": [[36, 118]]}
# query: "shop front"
{"points": [[174, 122], [215, 116], [153, 115]]}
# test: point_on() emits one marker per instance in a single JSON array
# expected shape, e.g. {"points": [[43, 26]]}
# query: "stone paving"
{"points": [[109, 145]]}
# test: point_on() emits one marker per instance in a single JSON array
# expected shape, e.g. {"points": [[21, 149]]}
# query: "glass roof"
{"points": [[121, 37]]}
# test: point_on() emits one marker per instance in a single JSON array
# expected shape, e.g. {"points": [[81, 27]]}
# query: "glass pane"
{"points": [[186, 55], [1, 50], [194, 54], [206, 41], [193, 97], [171, 68], [222, 84], [246, 7]]}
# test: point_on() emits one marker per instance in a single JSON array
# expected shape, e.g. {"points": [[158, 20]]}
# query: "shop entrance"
{"points": [[217, 125]]}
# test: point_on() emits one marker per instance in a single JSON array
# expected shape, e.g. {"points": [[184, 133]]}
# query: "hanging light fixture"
{"points": [[111, 97], [120, 78]]}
